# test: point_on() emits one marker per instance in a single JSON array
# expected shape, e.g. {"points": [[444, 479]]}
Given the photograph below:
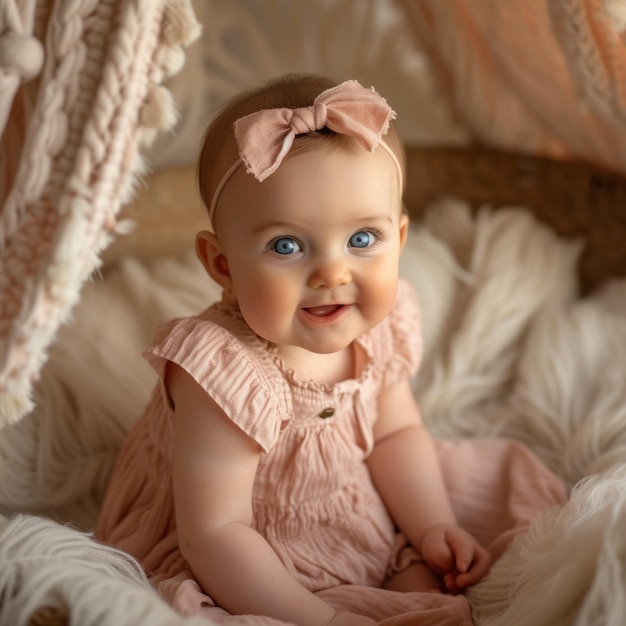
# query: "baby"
{"points": [[281, 468]]}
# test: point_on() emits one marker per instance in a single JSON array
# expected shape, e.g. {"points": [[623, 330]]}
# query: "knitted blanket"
{"points": [[80, 93]]}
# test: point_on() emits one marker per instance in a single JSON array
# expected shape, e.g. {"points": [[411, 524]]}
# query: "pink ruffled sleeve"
{"points": [[403, 344], [227, 371]]}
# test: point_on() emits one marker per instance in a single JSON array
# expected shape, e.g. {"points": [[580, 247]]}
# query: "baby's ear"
{"points": [[211, 255], [404, 228]]}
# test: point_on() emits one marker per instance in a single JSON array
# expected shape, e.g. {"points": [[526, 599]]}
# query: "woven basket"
{"points": [[50, 616], [576, 199]]}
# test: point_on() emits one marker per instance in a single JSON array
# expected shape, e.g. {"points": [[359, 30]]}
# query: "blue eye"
{"points": [[362, 239], [285, 245]]}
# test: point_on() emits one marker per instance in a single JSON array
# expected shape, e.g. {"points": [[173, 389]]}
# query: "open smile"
{"points": [[324, 314]]}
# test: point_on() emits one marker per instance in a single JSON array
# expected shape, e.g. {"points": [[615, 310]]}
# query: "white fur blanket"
{"points": [[510, 350]]}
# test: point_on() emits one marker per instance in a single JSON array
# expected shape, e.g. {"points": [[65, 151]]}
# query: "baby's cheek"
{"points": [[381, 294], [266, 307]]}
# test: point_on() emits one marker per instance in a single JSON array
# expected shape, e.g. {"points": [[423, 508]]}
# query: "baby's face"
{"points": [[313, 250]]}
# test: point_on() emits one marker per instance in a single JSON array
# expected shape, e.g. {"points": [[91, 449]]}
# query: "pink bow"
{"points": [[265, 137]]}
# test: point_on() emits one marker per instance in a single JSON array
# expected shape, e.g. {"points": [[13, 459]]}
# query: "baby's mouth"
{"points": [[323, 311]]}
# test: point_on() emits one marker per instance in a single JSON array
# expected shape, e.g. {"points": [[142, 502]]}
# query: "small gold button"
{"points": [[328, 412]]}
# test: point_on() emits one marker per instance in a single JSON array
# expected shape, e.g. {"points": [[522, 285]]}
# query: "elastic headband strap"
{"points": [[264, 138]]}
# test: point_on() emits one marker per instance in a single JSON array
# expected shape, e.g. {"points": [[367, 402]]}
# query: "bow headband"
{"points": [[264, 138]]}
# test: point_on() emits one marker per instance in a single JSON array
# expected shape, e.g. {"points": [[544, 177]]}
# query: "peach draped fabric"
{"points": [[543, 76]]}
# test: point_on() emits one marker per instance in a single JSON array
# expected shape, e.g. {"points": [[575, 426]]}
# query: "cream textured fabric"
{"points": [[70, 153]]}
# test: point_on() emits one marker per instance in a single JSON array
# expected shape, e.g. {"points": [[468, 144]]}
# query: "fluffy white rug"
{"points": [[510, 350]]}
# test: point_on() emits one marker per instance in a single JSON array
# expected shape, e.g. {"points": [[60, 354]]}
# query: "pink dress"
{"points": [[313, 499]]}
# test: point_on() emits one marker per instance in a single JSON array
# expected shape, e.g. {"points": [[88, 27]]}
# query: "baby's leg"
{"points": [[416, 577]]}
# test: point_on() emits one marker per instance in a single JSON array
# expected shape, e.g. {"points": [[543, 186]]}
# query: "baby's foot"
{"points": [[416, 577]]}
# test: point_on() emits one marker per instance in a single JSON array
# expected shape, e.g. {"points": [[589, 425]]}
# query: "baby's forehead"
{"points": [[330, 187]]}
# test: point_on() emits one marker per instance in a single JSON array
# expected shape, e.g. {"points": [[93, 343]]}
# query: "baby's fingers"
{"points": [[464, 556], [478, 567], [437, 552], [463, 547], [471, 560]]}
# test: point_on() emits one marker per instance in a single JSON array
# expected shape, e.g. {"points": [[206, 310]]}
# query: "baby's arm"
{"points": [[405, 469], [214, 465]]}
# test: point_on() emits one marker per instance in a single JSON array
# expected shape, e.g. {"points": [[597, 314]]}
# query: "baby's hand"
{"points": [[351, 619], [456, 555]]}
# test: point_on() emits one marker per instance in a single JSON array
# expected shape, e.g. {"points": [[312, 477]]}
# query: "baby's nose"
{"points": [[330, 274]]}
